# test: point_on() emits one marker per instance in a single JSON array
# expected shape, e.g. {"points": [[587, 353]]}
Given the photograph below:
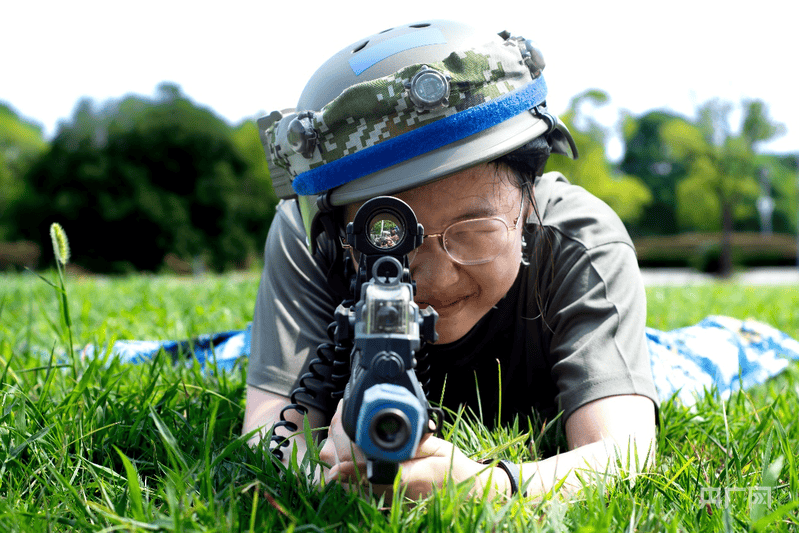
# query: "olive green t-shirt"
{"points": [[570, 331]]}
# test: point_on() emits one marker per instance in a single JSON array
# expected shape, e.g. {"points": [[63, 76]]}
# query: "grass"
{"points": [[101, 446]]}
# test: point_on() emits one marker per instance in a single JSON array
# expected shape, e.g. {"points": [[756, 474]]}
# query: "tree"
{"points": [[782, 172], [649, 157], [720, 183], [140, 178], [259, 198], [21, 142], [626, 194]]}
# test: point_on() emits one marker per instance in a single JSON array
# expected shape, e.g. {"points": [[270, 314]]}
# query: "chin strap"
{"points": [[335, 274], [325, 223], [558, 135]]}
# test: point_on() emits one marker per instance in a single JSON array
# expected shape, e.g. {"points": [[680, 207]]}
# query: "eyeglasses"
{"points": [[470, 242], [475, 241]]}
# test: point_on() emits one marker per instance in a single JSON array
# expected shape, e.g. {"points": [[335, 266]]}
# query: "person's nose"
{"points": [[433, 268]]}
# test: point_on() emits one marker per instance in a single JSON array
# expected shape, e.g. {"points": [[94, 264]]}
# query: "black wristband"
{"points": [[513, 474]]}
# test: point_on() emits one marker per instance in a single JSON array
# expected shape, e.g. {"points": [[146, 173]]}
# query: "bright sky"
{"points": [[245, 57]]}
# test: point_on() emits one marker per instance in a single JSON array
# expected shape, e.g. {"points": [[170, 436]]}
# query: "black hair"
{"points": [[526, 164]]}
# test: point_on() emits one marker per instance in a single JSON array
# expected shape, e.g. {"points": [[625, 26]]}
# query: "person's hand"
{"points": [[436, 462]]}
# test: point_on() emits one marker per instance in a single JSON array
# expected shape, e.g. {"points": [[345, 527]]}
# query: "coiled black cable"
{"points": [[422, 370], [324, 382]]}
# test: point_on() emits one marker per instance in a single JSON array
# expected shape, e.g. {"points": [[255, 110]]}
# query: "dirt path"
{"points": [[755, 276]]}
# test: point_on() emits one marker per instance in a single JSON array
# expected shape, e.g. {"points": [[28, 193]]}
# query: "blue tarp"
{"points": [[720, 353]]}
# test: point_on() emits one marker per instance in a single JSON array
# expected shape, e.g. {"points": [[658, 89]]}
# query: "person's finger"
{"points": [[328, 454], [349, 475], [333, 473], [431, 446], [337, 415]]}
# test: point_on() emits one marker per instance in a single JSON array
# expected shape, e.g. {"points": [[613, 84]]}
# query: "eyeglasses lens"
{"points": [[473, 242]]}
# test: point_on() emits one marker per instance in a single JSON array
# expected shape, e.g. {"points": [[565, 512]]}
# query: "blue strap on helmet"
{"points": [[422, 140]]}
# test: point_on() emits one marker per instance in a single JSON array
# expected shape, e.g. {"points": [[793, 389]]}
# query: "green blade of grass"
{"points": [[133, 486], [169, 440]]}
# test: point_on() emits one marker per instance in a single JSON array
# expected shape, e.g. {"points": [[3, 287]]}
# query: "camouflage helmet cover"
{"points": [[405, 107]]}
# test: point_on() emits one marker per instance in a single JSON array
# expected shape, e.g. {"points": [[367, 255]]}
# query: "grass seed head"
{"points": [[60, 243]]}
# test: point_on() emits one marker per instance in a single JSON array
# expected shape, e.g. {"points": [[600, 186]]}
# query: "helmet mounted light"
{"points": [[301, 136], [428, 89]]}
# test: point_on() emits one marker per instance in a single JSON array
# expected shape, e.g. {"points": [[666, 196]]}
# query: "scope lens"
{"points": [[385, 231], [390, 429]]}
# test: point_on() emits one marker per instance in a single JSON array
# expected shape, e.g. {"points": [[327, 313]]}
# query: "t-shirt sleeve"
{"points": [[595, 304], [293, 308]]}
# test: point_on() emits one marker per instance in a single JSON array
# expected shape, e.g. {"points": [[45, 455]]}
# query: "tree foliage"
{"points": [[648, 156], [141, 178], [720, 184], [782, 173], [21, 143], [135, 179], [626, 194]]}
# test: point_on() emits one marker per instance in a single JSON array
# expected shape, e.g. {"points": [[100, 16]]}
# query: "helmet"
{"points": [[405, 107]]}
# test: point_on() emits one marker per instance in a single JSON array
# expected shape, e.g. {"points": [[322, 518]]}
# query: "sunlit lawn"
{"points": [[157, 447]]}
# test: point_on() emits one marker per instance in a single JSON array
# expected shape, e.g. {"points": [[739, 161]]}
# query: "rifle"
{"points": [[385, 409]]}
